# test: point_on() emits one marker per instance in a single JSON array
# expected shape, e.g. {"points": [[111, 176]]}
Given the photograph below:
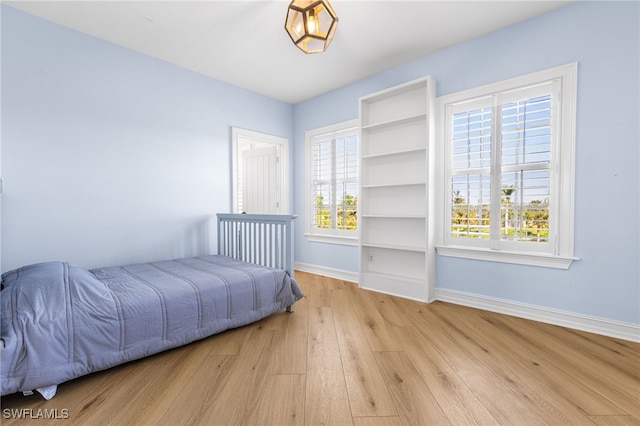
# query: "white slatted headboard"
{"points": [[257, 238]]}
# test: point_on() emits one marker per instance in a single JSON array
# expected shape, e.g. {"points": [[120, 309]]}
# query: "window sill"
{"points": [[330, 239], [519, 258]]}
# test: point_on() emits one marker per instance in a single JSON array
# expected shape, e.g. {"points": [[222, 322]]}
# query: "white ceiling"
{"points": [[244, 42]]}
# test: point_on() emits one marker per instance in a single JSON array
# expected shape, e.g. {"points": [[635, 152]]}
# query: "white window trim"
{"points": [[563, 254], [331, 236]]}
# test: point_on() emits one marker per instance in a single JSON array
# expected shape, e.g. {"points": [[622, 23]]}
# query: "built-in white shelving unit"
{"points": [[397, 255]]}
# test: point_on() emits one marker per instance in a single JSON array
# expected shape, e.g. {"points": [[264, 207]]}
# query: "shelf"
{"points": [[404, 102], [402, 169], [393, 216], [394, 233], [387, 185], [396, 285], [394, 122], [394, 277], [405, 136], [394, 172], [395, 247], [393, 153], [384, 260]]}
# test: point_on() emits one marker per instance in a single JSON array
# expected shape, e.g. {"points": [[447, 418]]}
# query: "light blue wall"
{"points": [[0, 138], [109, 156], [603, 37]]}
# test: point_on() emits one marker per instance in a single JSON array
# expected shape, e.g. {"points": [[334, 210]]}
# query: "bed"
{"points": [[60, 321]]}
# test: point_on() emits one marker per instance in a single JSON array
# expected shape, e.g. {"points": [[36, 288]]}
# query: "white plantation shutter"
{"points": [[526, 135], [346, 186], [322, 183], [500, 168], [334, 182], [471, 148]]}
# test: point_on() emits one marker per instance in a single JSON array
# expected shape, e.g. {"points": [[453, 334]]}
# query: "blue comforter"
{"points": [[60, 321]]}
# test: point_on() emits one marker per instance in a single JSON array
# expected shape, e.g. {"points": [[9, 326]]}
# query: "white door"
{"points": [[260, 168], [260, 187]]}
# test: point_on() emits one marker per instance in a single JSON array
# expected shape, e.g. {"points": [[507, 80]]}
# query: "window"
{"points": [[508, 170], [332, 183]]}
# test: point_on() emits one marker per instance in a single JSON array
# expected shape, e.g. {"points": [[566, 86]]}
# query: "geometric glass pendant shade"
{"points": [[311, 24]]}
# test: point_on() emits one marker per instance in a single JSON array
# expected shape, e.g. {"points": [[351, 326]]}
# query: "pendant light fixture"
{"points": [[311, 24]]}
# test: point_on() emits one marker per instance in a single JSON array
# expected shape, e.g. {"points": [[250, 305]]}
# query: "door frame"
{"points": [[239, 136]]}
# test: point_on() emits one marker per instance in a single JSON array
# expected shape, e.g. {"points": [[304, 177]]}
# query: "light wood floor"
{"points": [[351, 357]]}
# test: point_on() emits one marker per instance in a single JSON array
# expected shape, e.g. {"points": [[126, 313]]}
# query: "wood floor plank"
{"points": [[280, 403], [169, 373], [377, 330], [246, 379], [289, 351], [557, 361], [227, 402], [304, 280], [326, 399], [598, 373], [158, 379], [438, 363], [464, 355], [617, 353], [228, 342], [615, 420], [520, 365], [98, 391], [317, 291], [377, 421], [368, 394], [391, 308], [457, 401], [416, 405], [202, 391]]}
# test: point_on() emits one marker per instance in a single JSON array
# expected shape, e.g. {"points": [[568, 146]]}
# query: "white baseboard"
{"points": [[338, 274], [605, 327], [587, 323]]}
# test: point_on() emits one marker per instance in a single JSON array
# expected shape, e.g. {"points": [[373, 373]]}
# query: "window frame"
{"points": [[559, 251], [334, 236]]}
